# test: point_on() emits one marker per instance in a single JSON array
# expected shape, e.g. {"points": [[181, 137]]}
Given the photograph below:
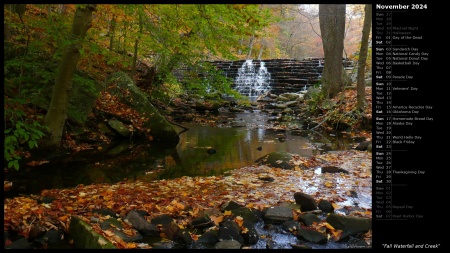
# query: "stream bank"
{"points": [[348, 193]]}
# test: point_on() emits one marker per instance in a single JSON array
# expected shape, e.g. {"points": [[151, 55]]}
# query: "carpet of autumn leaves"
{"points": [[183, 198]]}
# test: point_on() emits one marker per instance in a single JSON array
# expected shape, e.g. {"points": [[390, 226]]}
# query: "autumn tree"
{"points": [[360, 86], [332, 27], [57, 112]]}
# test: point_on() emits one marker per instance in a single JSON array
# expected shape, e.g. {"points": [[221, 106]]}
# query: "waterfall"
{"points": [[250, 82]]}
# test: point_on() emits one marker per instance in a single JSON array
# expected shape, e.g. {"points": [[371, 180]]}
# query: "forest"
{"points": [[117, 87]]}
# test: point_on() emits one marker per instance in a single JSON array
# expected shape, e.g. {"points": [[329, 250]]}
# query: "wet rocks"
{"points": [[278, 214], [209, 238], [166, 225], [141, 224], [202, 222], [333, 169], [307, 202], [234, 226], [250, 235], [229, 206], [325, 206], [349, 224], [309, 218], [21, 243], [312, 236], [228, 244], [363, 145], [230, 231]]}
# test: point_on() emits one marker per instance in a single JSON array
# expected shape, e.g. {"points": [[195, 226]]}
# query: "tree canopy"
{"points": [[147, 41]]}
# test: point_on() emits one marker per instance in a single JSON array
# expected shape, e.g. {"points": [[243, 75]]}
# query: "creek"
{"points": [[203, 150]]}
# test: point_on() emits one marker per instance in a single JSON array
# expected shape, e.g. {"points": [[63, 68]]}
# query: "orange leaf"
{"points": [[194, 237], [239, 220], [216, 219], [131, 245], [63, 218], [120, 241], [335, 206]]}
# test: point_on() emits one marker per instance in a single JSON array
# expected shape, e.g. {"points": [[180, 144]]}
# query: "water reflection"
{"points": [[234, 147]]}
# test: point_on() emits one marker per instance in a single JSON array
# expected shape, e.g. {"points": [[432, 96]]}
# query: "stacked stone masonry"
{"points": [[287, 75]]}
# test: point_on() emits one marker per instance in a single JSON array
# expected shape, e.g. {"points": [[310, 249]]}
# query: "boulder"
{"points": [[307, 202], [122, 85]]}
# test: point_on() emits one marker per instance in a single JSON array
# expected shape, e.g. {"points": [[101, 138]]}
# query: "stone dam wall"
{"points": [[287, 75]]}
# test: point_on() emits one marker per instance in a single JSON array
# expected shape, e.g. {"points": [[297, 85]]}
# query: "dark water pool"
{"points": [[202, 151]]}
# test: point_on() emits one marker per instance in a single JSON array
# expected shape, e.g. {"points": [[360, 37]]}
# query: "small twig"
{"points": [[323, 121], [176, 124]]}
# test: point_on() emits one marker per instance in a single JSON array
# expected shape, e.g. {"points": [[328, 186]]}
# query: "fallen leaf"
{"points": [[328, 184], [63, 218], [101, 241], [216, 219]]}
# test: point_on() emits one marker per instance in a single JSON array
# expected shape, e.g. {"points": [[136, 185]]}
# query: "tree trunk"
{"points": [[136, 46], [249, 55], [360, 86], [56, 114], [332, 28], [112, 32], [241, 43], [260, 52]]}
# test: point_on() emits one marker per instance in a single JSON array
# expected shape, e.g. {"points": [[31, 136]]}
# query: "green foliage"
{"points": [[20, 132], [341, 121], [30, 76], [205, 79], [316, 97], [167, 91], [85, 82]]}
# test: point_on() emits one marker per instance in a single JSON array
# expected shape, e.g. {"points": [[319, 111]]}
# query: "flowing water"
{"points": [[202, 151], [252, 81]]}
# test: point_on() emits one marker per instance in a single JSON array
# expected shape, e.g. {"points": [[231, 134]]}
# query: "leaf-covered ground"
{"points": [[185, 197]]}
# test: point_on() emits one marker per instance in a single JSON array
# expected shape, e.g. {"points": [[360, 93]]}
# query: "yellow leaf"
{"points": [[329, 226], [335, 206], [120, 241], [108, 233], [131, 245], [180, 206], [102, 241], [328, 184], [227, 213], [239, 220]]}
